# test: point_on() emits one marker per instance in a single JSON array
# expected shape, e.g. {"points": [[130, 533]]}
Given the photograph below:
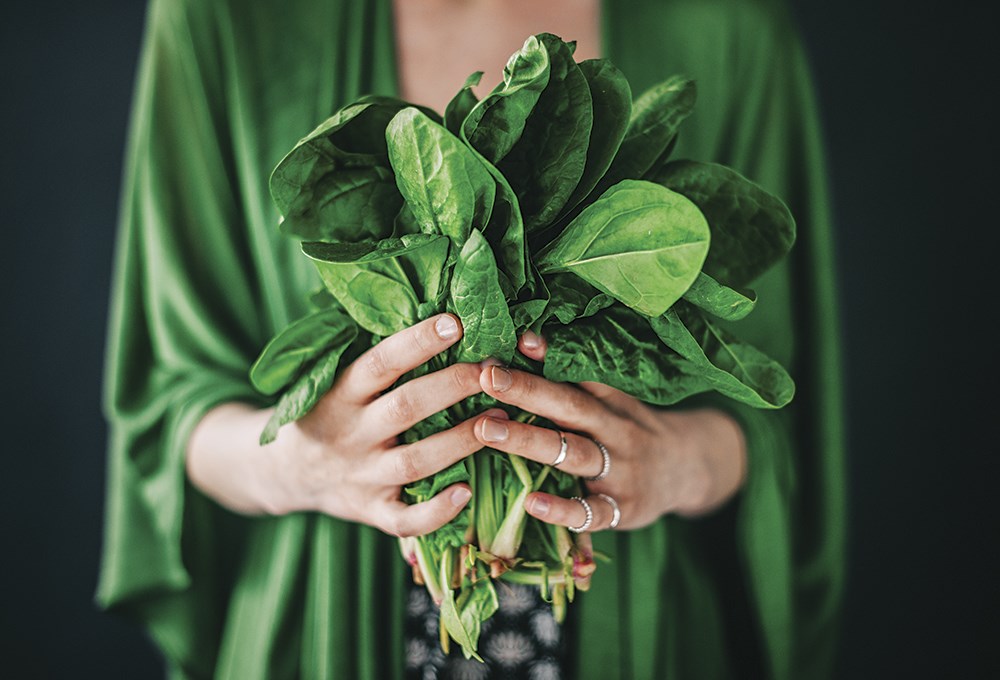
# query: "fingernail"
{"points": [[460, 496], [531, 340], [494, 430], [501, 378], [490, 361], [446, 327], [540, 507]]}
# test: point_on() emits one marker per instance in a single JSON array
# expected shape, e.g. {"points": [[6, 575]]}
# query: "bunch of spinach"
{"points": [[550, 205]]}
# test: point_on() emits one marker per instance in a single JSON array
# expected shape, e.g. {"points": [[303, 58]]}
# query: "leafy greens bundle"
{"points": [[550, 205]]}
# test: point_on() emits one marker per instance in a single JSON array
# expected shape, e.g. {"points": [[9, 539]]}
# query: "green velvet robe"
{"points": [[203, 279]]}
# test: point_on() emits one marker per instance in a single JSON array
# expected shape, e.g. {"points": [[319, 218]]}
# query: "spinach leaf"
{"points": [[480, 304], [461, 104], [619, 349], [612, 104], [308, 186], [573, 298], [732, 367], [298, 345], [310, 386], [446, 185], [385, 286], [721, 301], [546, 164], [495, 125], [751, 228], [505, 233], [347, 205], [639, 243], [656, 115]]}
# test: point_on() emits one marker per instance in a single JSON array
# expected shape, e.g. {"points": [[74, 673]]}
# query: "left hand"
{"points": [[688, 462]]}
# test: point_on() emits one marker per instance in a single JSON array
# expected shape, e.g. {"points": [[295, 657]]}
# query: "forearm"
{"points": [[226, 462], [714, 459]]}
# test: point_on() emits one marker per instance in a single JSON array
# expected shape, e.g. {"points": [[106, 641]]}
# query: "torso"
{"points": [[440, 42]]}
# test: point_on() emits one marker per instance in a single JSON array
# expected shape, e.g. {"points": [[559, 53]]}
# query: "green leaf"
{"points": [[721, 301], [461, 104], [351, 204], [495, 125], [309, 183], [479, 302], [572, 298], [448, 188], [617, 348], [656, 115], [751, 228], [640, 243], [612, 104], [298, 345], [505, 232], [310, 387], [385, 286], [732, 367], [458, 627], [477, 603], [546, 164]]}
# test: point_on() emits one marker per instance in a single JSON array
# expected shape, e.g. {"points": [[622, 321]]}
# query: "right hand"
{"points": [[343, 458]]}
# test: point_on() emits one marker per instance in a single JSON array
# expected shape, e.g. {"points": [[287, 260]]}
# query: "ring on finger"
{"points": [[590, 516], [563, 449], [605, 463], [616, 512]]}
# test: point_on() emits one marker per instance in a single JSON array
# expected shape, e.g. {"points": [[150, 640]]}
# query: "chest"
{"points": [[440, 42]]}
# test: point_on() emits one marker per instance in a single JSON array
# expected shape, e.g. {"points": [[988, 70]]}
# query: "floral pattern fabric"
{"points": [[522, 640]]}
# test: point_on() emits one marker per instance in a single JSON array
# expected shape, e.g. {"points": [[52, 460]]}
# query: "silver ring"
{"points": [[606, 464], [590, 516], [616, 512], [563, 448]]}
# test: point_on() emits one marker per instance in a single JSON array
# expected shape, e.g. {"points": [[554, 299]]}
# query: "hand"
{"points": [[687, 462], [343, 458]]}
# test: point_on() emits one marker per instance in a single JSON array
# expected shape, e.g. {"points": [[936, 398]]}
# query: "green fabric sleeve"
{"points": [[182, 333], [795, 485]]}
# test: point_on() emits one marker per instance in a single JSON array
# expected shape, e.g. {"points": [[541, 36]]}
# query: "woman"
{"points": [[268, 562]]}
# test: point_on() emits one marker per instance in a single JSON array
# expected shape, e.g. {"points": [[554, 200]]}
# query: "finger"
{"points": [[404, 520], [562, 403], [541, 444], [381, 366], [532, 346], [411, 402], [411, 462], [568, 512]]}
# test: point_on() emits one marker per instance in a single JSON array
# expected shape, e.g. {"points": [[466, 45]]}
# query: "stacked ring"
{"points": [[605, 464], [616, 512], [563, 448], [590, 516]]}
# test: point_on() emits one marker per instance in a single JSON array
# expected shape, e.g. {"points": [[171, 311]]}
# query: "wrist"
{"points": [[226, 462], [709, 460]]}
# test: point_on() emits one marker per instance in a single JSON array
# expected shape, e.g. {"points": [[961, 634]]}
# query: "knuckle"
{"points": [[407, 468], [575, 403], [465, 377], [425, 338], [400, 406], [375, 363], [524, 388], [400, 527]]}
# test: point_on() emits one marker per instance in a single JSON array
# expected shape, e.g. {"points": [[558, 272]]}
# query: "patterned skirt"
{"points": [[522, 640]]}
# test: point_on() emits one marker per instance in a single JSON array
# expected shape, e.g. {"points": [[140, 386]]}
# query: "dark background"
{"points": [[904, 89]]}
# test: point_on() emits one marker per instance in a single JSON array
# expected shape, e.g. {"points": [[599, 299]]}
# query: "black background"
{"points": [[905, 90]]}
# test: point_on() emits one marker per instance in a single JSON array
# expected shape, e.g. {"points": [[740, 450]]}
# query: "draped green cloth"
{"points": [[203, 279]]}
